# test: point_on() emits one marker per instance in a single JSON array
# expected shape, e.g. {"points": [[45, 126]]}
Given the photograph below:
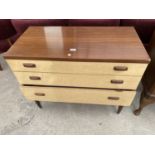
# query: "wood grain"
{"points": [[105, 68], [112, 44], [76, 95]]}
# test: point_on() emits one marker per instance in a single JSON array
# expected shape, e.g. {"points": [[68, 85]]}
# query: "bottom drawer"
{"points": [[79, 95]]}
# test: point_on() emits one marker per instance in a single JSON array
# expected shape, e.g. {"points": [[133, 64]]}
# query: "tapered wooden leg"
{"points": [[39, 104], [1, 68], [119, 109], [144, 101], [9, 41]]}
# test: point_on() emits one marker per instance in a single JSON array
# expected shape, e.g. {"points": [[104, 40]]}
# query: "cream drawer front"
{"points": [[78, 80], [77, 95], [134, 69]]}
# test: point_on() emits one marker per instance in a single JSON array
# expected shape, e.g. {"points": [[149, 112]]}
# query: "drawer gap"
{"points": [[78, 87]]}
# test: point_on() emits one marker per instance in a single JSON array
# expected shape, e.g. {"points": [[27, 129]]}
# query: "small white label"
{"points": [[72, 49]]}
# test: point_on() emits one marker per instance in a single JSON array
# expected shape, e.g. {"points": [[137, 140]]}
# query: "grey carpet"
{"points": [[20, 116]]}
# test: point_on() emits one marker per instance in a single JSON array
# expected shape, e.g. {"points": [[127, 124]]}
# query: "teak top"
{"points": [[111, 44]]}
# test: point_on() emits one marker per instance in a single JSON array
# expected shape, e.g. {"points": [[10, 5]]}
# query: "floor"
{"points": [[19, 116]]}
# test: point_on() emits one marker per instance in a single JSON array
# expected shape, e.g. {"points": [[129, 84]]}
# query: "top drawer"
{"points": [[134, 69]]}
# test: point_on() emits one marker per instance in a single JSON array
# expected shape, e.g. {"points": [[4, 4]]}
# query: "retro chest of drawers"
{"points": [[92, 65]]}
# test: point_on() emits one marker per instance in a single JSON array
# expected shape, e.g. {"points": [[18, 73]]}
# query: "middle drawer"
{"points": [[78, 80]]}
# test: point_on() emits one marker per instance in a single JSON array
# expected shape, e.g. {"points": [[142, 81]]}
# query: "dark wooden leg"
{"points": [[119, 109], [9, 41], [144, 101], [1, 68], [39, 104]]}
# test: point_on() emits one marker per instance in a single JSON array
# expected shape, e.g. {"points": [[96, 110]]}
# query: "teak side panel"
{"points": [[75, 95], [110, 44], [78, 80], [134, 69]]}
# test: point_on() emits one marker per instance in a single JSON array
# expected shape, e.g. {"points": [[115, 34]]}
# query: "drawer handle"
{"points": [[40, 94], [29, 65], [120, 68], [117, 81], [113, 98], [35, 78]]}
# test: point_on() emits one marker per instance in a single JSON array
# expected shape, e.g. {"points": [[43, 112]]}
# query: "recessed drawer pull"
{"points": [[117, 81], [113, 98], [40, 94], [35, 78], [29, 65], [120, 68]]}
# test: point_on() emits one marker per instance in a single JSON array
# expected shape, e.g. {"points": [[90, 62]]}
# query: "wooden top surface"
{"points": [[111, 44]]}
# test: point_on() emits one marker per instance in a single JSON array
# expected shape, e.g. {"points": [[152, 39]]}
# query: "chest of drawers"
{"points": [[88, 65]]}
